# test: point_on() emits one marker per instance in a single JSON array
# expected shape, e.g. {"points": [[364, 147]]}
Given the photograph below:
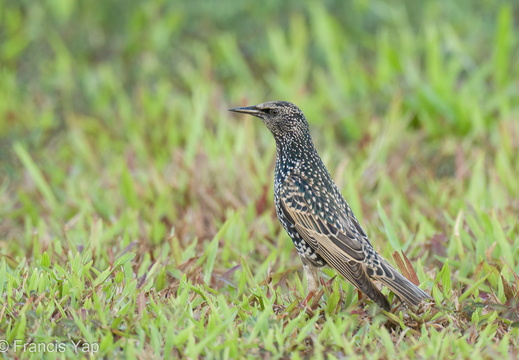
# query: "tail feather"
{"points": [[402, 287]]}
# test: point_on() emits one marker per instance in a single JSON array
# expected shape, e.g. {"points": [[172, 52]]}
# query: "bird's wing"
{"points": [[333, 235], [331, 229], [321, 221]]}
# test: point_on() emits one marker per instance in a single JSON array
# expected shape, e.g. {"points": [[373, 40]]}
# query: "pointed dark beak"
{"points": [[251, 110]]}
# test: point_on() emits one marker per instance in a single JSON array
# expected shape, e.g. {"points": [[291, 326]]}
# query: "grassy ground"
{"points": [[136, 216]]}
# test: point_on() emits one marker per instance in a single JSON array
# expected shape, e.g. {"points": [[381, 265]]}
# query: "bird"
{"points": [[313, 212]]}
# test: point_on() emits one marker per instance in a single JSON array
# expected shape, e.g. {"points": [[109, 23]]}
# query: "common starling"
{"points": [[315, 215]]}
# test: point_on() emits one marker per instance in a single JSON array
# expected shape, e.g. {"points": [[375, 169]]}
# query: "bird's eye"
{"points": [[274, 112]]}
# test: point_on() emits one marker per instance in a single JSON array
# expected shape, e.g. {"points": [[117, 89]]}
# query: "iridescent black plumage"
{"points": [[315, 215]]}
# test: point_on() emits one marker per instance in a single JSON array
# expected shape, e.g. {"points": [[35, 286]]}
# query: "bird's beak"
{"points": [[251, 110]]}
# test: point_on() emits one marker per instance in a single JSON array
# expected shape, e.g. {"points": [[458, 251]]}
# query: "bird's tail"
{"points": [[402, 287]]}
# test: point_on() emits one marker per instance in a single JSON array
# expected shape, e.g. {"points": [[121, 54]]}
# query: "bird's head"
{"points": [[283, 119]]}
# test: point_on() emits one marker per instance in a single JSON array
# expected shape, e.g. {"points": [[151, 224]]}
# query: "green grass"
{"points": [[137, 218]]}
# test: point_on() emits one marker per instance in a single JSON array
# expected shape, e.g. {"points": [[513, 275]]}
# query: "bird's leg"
{"points": [[312, 279]]}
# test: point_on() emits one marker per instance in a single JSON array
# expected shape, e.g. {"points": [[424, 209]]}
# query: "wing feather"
{"points": [[342, 234], [341, 249], [328, 225]]}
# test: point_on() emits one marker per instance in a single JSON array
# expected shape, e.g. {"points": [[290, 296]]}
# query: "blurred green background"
{"points": [[94, 92], [115, 138]]}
